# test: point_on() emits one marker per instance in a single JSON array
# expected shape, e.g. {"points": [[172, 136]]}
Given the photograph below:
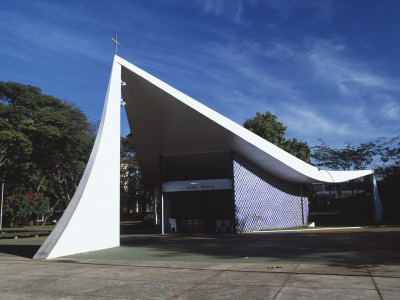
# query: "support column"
{"points": [[2, 196], [302, 204], [378, 208], [162, 214], [155, 206]]}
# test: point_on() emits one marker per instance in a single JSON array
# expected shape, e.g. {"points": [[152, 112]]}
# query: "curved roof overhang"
{"points": [[165, 121]]}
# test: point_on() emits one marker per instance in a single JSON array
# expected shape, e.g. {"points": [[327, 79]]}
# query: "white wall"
{"points": [[91, 220]]}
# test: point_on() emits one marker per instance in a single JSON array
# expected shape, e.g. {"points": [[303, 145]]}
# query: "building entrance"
{"points": [[198, 192], [199, 212]]}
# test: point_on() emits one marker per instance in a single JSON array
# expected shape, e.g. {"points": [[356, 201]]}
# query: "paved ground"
{"points": [[344, 264]]}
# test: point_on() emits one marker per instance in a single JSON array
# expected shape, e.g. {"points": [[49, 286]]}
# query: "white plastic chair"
{"points": [[196, 225], [219, 226], [201, 225], [189, 225], [172, 225], [227, 225], [184, 226]]}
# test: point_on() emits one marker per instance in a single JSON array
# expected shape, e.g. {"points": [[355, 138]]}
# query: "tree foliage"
{"points": [[268, 127], [389, 175], [21, 208], [351, 157], [391, 153], [133, 191], [44, 143], [381, 155]]}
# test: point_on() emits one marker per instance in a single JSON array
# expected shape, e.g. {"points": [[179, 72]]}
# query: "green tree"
{"points": [[268, 127], [15, 146], [44, 143], [351, 157], [391, 152], [21, 208], [133, 192], [389, 175]]}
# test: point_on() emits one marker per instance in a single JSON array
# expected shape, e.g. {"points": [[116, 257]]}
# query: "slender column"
{"points": [[162, 213], [378, 208], [302, 204], [155, 206], [1, 213]]}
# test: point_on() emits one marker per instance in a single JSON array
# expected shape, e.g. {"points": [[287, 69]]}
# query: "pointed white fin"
{"points": [[91, 220]]}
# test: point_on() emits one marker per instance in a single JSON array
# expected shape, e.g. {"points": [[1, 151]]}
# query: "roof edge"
{"points": [[307, 172]]}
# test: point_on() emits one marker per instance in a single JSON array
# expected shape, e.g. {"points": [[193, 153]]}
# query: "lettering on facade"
{"points": [[200, 187], [191, 187], [207, 187]]}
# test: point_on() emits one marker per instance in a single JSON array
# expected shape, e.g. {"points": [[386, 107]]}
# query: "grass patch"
{"points": [[304, 228], [282, 229], [135, 226], [27, 228]]}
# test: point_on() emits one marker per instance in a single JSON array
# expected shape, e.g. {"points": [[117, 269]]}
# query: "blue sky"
{"points": [[327, 69]]}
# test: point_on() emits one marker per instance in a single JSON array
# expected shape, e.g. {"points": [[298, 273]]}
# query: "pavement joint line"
{"points": [[147, 266], [207, 269], [375, 285], [197, 285], [286, 280], [200, 269], [230, 269]]}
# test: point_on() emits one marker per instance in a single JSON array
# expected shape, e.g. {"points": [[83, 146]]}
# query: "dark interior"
{"points": [[197, 166], [206, 206]]}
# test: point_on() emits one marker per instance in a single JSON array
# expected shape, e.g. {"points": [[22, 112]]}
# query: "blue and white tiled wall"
{"points": [[264, 201]]}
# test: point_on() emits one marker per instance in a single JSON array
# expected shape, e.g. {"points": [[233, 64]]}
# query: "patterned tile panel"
{"points": [[264, 201]]}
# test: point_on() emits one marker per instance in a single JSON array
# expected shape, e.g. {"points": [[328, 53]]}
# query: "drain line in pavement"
{"points": [[197, 285]]}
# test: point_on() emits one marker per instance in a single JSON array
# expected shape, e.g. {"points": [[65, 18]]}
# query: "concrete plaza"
{"points": [[334, 264]]}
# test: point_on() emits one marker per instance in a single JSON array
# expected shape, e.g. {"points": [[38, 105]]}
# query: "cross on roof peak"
{"points": [[116, 43]]}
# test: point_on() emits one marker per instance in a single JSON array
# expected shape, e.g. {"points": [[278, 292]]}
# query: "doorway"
{"points": [[198, 212]]}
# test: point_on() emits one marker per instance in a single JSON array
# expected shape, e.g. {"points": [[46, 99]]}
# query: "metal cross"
{"points": [[116, 43]]}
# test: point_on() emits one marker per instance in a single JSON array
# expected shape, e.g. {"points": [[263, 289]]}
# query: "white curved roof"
{"points": [[165, 121]]}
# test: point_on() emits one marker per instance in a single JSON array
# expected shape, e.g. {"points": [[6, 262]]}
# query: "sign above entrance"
{"points": [[197, 185]]}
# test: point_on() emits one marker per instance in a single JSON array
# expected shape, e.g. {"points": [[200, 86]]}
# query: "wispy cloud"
{"points": [[241, 57], [331, 62], [318, 11], [36, 36], [299, 101], [215, 7], [231, 9], [236, 56], [310, 122], [391, 110]]}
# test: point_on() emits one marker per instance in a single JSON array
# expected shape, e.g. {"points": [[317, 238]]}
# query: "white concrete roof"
{"points": [[165, 121]]}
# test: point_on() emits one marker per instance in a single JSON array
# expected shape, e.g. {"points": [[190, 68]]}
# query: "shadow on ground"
{"points": [[27, 251], [351, 247], [357, 247]]}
